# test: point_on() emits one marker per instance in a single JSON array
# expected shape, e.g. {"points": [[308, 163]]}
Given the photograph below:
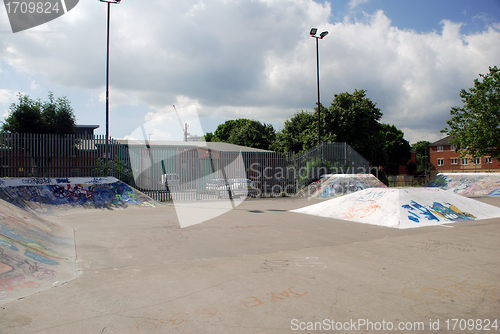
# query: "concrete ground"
{"points": [[261, 269]]}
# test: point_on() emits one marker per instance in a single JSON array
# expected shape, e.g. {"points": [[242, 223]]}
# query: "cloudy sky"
{"points": [[224, 59]]}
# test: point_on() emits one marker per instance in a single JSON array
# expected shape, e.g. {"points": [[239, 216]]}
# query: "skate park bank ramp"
{"points": [[402, 207], [34, 254], [468, 184], [335, 185], [43, 195]]}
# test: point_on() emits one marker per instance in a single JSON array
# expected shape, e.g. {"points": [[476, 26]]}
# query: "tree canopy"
{"points": [[422, 150], [299, 133], [245, 132], [351, 118], [354, 119], [475, 127], [396, 148], [54, 116]]}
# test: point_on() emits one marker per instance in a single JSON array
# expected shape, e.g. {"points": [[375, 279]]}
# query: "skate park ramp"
{"points": [[402, 207], [335, 185], [468, 184], [34, 254], [45, 195]]}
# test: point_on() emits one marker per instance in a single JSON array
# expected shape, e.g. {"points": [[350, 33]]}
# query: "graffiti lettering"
{"points": [[416, 208], [476, 289], [252, 301], [209, 312], [36, 181], [449, 291], [450, 212], [361, 210], [16, 283], [96, 180]]}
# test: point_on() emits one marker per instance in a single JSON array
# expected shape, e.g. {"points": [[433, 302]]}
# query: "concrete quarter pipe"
{"points": [[36, 254]]}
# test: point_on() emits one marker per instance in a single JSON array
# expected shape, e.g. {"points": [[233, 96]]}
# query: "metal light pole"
{"points": [[106, 150], [321, 36]]}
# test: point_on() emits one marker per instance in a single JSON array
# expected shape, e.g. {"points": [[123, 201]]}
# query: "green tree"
{"points": [[119, 168], [354, 119], [475, 127], [245, 132], [423, 156], [299, 133], [208, 137], [396, 148], [351, 118], [54, 116]]}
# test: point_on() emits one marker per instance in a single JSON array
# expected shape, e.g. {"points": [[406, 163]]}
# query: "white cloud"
{"points": [[355, 3], [253, 59], [119, 98], [7, 97], [34, 85]]}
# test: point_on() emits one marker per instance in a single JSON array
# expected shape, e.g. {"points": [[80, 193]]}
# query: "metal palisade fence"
{"points": [[176, 170], [50, 155]]}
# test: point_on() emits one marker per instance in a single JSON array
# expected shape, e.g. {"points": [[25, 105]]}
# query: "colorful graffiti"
{"points": [[340, 184], [15, 283], [33, 251], [437, 212], [89, 192], [402, 207], [361, 210], [468, 184]]}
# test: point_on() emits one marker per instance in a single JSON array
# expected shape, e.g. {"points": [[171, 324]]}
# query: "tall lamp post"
{"points": [[106, 150], [321, 36]]}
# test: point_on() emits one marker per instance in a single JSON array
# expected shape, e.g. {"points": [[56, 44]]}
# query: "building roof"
{"points": [[216, 146], [442, 142], [87, 126]]}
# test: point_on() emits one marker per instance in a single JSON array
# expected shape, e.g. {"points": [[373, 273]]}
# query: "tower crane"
{"points": [[184, 128]]}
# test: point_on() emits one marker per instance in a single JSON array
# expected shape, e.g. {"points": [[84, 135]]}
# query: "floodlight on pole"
{"points": [[321, 36], [106, 150]]}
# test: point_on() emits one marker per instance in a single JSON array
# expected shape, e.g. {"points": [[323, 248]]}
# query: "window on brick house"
{"points": [[465, 161], [440, 162], [440, 148]]}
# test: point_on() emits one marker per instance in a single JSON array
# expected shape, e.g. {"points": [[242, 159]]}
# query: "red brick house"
{"points": [[444, 159]]}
